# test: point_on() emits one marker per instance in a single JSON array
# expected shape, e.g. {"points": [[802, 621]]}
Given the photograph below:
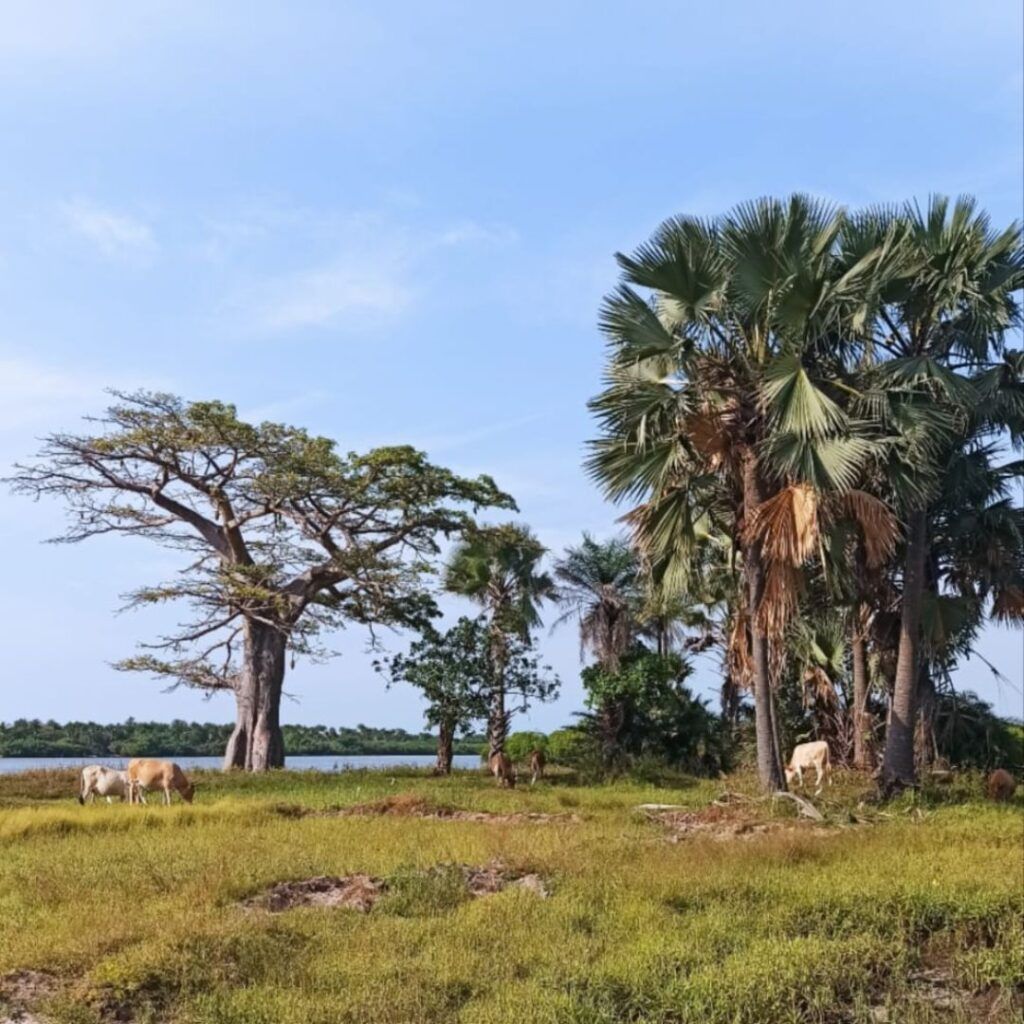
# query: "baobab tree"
{"points": [[281, 538]]}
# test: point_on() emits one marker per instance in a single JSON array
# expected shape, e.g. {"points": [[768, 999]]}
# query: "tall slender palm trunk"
{"points": [[769, 764], [497, 719], [898, 762], [861, 719]]}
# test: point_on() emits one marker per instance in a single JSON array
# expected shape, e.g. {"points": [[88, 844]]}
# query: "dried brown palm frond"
{"points": [[786, 525], [878, 525], [782, 586], [1008, 605], [709, 431], [739, 660], [818, 689]]}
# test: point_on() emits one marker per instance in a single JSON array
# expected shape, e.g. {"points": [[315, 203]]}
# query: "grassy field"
{"points": [[734, 913]]}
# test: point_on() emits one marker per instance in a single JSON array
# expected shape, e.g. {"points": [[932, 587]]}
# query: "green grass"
{"points": [[136, 910]]}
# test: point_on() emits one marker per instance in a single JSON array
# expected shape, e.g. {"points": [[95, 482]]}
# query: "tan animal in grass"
{"points": [[146, 773], [500, 766], [98, 780], [1001, 785], [806, 756], [537, 763]]}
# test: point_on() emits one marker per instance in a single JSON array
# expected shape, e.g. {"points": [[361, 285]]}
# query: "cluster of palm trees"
{"points": [[811, 416]]}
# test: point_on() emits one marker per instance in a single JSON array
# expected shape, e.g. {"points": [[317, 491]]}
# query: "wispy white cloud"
{"points": [[116, 235], [472, 233], [34, 394], [371, 273], [331, 295]]}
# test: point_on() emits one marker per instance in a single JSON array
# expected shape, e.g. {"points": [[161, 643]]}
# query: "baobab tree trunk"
{"points": [[257, 744], [898, 763], [861, 719], [769, 765], [445, 743]]}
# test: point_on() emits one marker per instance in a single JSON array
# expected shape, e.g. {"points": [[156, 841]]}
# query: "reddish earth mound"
{"points": [[361, 892]]}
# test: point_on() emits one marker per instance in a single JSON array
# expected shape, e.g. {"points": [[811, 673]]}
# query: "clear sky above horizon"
{"points": [[395, 223]]}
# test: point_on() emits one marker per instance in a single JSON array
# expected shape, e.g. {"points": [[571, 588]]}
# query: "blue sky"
{"points": [[395, 223]]}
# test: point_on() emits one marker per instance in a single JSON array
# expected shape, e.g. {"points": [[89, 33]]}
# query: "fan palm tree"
{"points": [[497, 567], [937, 334], [722, 406], [599, 586]]}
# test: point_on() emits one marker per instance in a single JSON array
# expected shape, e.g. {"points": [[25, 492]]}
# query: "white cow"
{"points": [[806, 756], [100, 781]]}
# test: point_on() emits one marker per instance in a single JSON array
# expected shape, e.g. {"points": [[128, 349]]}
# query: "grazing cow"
{"points": [[145, 774], [98, 780], [806, 756], [537, 763], [1001, 785], [501, 768]]}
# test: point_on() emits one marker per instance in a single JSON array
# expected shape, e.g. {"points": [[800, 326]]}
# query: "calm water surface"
{"points": [[328, 763]]}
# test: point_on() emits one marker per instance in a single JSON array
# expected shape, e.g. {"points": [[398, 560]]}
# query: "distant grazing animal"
{"points": [[501, 768], [1001, 785], [806, 756], [98, 780], [537, 763], [145, 774]]}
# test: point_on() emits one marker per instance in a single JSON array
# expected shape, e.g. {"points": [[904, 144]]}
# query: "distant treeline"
{"points": [[25, 738]]}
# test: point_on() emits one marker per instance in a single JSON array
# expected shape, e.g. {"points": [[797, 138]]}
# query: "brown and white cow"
{"points": [[146, 773], [500, 766], [806, 756]]}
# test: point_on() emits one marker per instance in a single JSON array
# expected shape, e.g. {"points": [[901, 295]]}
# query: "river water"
{"points": [[326, 763]]}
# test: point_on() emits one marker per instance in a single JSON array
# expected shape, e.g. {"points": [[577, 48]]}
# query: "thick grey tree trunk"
{"points": [[257, 744], [861, 719], [445, 745], [769, 764], [898, 762]]}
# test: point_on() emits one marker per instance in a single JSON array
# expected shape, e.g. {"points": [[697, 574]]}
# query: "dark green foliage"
{"points": [[25, 738], [643, 710]]}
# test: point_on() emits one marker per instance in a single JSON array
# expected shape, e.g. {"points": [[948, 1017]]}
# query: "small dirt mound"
{"points": [[408, 805], [495, 876], [361, 892], [21, 990], [356, 892], [721, 822]]}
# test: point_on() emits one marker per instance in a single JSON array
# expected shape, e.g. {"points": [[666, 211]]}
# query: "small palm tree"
{"points": [[599, 586], [497, 567]]}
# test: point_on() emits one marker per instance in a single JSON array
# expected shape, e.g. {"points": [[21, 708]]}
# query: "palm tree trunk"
{"points": [[497, 719], [924, 737], [898, 762], [769, 768], [861, 721]]}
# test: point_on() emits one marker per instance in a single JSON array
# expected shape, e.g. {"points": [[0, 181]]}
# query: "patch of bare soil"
{"points": [[407, 805], [935, 986], [361, 892], [21, 990], [356, 892], [723, 822]]}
